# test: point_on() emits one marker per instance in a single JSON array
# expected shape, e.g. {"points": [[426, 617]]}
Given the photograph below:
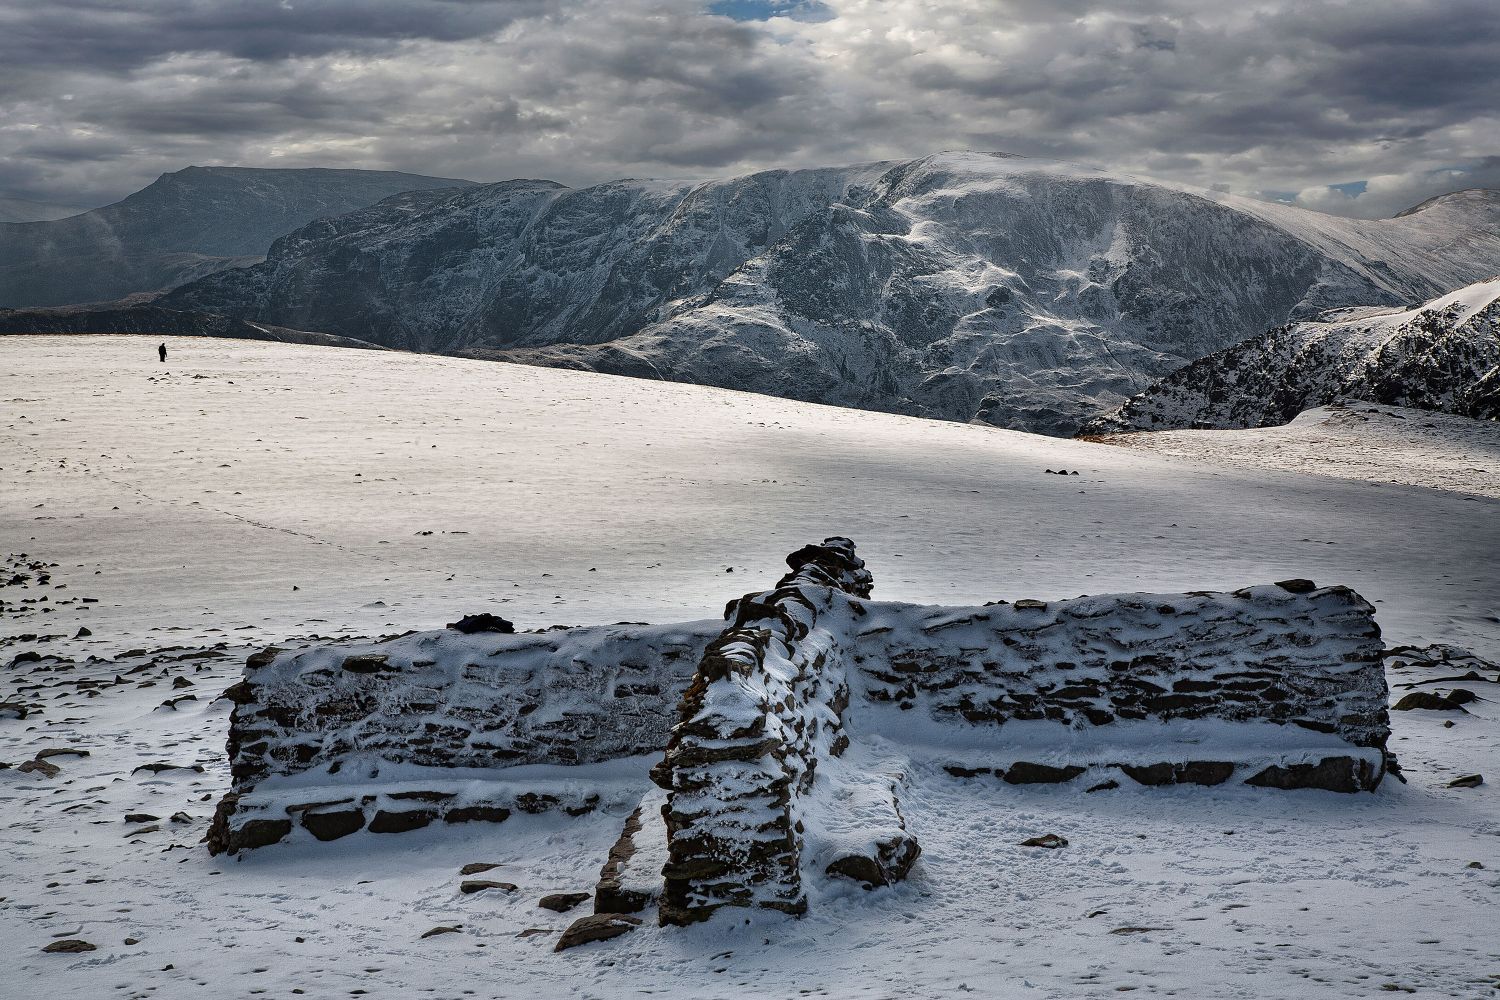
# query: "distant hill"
{"points": [[184, 225], [1024, 293], [145, 318], [1442, 355], [22, 210]]}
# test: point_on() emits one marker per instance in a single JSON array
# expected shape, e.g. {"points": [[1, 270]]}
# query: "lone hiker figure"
{"points": [[161, 349]]}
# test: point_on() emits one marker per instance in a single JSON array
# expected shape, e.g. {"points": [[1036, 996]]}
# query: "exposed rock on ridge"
{"points": [[1443, 355]]}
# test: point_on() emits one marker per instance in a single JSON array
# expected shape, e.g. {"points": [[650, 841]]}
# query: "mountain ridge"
{"points": [[1025, 293], [185, 224]]}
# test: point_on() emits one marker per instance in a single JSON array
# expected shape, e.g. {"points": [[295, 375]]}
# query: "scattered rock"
{"points": [[45, 768], [1051, 841], [1433, 701], [596, 927], [441, 930], [478, 867], [1467, 781], [534, 931], [470, 886], [562, 902], [69, 946], [141, 818], [83, 633], [161, 766], [484, 622], [60, 752], [1104, 786], [1297, 585], [1138, 930]]}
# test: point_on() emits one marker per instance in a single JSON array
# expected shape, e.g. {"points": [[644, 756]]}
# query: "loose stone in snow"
{"points": [[476, 867], [483, 622], [1051, 841], [596, 927], [45, 768], [161, 766], [441, 930], [471, 886], [1434, 702], [69, 946], [1467, 781], [562, 902]]}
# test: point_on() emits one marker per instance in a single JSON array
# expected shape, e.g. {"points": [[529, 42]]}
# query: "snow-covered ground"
{"points": [[1352, 439], [188, 500]]}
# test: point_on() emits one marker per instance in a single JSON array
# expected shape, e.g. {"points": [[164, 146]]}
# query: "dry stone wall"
{"points": [[1288, 653], [762, 714], [323, 738], [765, 706]]}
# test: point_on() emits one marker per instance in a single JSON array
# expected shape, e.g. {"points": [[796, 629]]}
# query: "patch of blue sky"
{"points": [[764, 10]]}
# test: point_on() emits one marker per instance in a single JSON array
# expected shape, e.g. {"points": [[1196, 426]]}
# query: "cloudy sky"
{"points": [[1360, 108]]}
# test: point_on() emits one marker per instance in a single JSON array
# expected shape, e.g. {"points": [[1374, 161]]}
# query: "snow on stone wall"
{"points": [[806, 688], [350, 723], [1289, 654], [765, 706]]}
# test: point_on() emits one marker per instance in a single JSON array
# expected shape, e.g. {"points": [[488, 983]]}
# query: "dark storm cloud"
{"points": [[1290, 95], [127, 34]]}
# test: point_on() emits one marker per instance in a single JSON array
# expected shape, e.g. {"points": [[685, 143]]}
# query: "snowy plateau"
{"points": [[163, 522]]}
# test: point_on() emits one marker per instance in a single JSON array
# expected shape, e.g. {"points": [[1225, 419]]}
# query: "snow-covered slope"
{"points": [[1350, 439], [1442, 355], [190, 501], [184, 225], [1026, 293]]}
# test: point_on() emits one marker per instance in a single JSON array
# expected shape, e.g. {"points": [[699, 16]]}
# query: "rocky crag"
{"points": [[1442, 355]]}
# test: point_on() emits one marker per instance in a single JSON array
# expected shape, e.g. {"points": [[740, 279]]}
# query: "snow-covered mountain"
{"points": [[1442, 355], [1024, 293], [184, 225]]}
